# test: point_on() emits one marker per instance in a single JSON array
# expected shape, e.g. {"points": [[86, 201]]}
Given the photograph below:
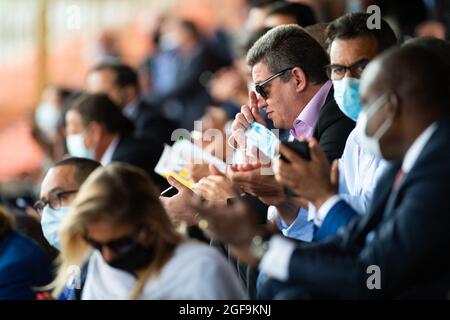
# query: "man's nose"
{"points": [[262, 104]]}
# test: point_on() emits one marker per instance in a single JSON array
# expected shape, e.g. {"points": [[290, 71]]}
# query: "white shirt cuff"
{"points": [[275, 262], [325, 208]]}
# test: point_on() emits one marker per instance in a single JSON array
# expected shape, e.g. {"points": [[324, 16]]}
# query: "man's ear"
{"points": [[127, 94], [94, 134], [393, 109], [300, 78]]}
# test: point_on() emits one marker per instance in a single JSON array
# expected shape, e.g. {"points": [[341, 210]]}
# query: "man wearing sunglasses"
{"points": [[289, 72], [58, 190]]}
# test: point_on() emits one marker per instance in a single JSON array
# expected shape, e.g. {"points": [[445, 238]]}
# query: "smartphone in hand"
{"points": [[169, 192], [301, 148]]}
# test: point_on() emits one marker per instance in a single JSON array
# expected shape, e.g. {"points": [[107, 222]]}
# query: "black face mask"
{"points": [[136, 258]]}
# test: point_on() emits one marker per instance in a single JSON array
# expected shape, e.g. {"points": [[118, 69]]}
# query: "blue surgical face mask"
{"points": [[346, 94], [51, 220], [76, 147], [371, 144]]}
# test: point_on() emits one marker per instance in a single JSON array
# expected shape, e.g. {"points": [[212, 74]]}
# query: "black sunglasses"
{"points": [[119, 246], [259, 88]]}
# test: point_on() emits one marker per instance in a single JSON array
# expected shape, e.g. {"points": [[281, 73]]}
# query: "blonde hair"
{"points": [[6, 221], [118, 194]]}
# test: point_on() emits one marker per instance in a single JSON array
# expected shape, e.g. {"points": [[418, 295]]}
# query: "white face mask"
{"points": [[371, 144], [51, 220], [47, 117], [76, 147]]}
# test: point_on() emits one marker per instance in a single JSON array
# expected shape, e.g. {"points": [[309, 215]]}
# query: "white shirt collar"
{"points": [[416, 148], [107, 156], [130, 109]]}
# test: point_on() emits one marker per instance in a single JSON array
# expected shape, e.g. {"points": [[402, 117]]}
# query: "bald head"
{"points": [[410, 86]]}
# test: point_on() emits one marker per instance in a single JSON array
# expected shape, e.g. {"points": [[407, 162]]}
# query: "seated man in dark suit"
{"points": [[399, 248], [343, 217], [120, 83], [23, 264], [96, 129]]}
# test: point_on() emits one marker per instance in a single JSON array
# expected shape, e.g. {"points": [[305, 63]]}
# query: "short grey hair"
{"points": [[288, 46]]}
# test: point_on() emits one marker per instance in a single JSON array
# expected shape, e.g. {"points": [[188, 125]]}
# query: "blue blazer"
{"points": [[410, 237], [339, 216]]}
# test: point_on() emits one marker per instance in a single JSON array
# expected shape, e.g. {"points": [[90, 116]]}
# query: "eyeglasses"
{"points": [[260, 87], [337, 71], [55, 200]]}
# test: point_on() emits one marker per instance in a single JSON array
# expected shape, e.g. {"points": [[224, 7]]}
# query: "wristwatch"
{"points": [[259, 246]]}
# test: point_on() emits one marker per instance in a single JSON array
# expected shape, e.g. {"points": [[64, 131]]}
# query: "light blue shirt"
{"points": [[359, 172]]}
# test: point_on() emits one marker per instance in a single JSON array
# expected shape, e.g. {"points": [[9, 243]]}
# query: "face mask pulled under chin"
{"points": [[371, 144], [76, 147]]}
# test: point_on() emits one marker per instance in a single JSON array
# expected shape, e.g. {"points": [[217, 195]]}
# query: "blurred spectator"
{"points": [[104, 48], [97, 129], [290, 13], [317, 31], [419, 17], [186, 100], [136, 252], [257, 14], [23, 265], [47, 128], [120, 83]]}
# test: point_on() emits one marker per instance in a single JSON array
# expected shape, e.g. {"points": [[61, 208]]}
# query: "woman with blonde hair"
{"points": [[119, 226]]}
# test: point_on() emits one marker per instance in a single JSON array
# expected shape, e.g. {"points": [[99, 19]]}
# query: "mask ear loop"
{"points": [[242, 151], [233, 147]]}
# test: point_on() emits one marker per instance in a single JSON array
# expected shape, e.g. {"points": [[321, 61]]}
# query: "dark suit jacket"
{"points": [[150, 122], [332, 128], [188, 89], [141, 152], [411, 238]]}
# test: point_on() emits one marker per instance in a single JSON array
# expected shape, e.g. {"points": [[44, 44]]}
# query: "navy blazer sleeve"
{"points": [[340, 215]]}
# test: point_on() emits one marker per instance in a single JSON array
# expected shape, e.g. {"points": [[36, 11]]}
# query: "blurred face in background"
{"points": [[256, 18], [82, 141], [104, 81], [275, 20]]}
